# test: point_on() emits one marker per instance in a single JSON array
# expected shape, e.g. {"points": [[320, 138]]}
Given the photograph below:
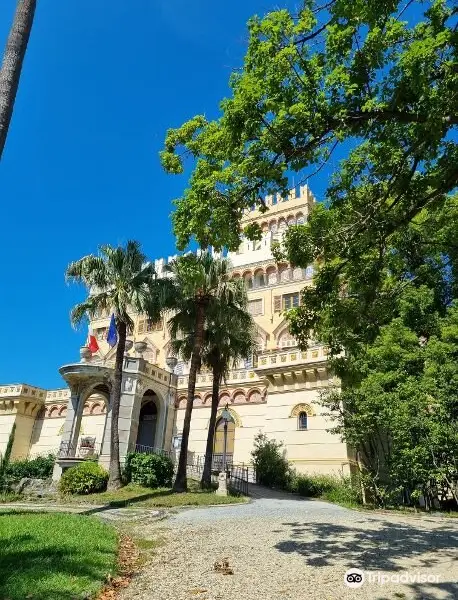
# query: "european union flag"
{"points": [[112, 337]]}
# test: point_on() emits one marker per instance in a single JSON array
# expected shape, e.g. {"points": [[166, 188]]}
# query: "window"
{"points": [[148, 325], [248, 363], [257, 245], [101, 333], [286, 340], [302, 421], [290, 301], [255, 307], [259, 280]]}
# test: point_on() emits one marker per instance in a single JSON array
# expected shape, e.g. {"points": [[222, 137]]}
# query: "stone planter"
{"points": [[140, 347], [129, 344], [85, 354]]}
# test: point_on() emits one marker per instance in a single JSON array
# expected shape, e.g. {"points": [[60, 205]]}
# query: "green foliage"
{"points": [[329, 487], [40, 467], [402, 416], [149, 470], [372, 80], [271, 466], [85, 478]]}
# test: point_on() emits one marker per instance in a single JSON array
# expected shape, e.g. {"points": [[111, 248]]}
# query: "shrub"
{"points": [[36, 468], [86, 478], [272, 468], [329, 487], [149, 470]]}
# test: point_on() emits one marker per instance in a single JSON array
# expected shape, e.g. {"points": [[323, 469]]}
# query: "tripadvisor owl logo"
{"points": [[354, 578]]}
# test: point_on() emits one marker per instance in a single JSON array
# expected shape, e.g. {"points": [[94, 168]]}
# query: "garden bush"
{"points": [[334, 488], [149, 470], [36, 468], [271, 466], [86, 478]]}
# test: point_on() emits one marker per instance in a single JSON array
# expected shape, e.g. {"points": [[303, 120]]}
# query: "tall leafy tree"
{"points": [[118, 279], [229, 336], [373, 83], [200, 283], [13, 60]]}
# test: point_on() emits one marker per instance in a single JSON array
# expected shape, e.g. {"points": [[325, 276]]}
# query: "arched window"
{"points": [[259, 279], [302, 420], [286, 340]]}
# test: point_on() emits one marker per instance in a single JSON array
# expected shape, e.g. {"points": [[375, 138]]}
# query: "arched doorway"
{"points": [[218, 444], [147, 425]]}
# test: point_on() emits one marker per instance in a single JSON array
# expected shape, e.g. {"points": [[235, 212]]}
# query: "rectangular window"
{"points": [[255, 307], [101, 333], [277, 303], [153, 325], [290, 301], [148, 325]]}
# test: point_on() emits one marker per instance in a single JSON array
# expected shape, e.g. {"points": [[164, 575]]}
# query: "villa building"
{"points": [[275, 392]]}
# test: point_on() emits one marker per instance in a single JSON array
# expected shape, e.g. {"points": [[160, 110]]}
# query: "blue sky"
{"points": [[102, 82]]}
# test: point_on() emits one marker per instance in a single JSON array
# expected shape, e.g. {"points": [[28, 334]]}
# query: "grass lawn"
{"points": [[140, 497], [54, 556]]}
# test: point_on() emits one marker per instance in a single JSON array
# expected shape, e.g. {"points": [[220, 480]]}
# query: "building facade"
{"points": [[275, 392]]}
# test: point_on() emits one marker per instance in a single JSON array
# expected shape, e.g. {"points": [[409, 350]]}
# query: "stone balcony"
{"points": [[291, 367], [268, 362], [241, 376]]}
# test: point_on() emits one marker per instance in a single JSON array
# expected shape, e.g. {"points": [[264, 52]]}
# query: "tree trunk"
{"points": [[13, 59], [206, 480], [181, 484], [114, 481]]}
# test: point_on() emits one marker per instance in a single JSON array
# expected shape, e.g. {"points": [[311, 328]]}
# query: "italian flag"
{"points": [[92, 342]]}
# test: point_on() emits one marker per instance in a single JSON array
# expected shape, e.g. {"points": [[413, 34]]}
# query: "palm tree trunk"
{"points": [[13, 59], [114, 481], [206, 480], [181, 484]]}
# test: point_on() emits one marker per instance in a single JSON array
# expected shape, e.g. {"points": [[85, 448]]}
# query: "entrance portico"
{"points": [[141, 382]]}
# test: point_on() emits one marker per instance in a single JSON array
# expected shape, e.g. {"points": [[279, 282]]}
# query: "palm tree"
{"points": [[200, 282], [13, 59], [230, 338], [118, 279], [229, 335]]}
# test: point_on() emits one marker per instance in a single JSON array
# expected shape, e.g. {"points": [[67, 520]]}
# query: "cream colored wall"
{"points": [[23, 435], [93, 426], [6, 425], [46, 436], [312, 450]]}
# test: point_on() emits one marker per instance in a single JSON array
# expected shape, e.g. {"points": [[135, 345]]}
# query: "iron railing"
{"points": [[152, 450], [238, 479], [81, 449]]}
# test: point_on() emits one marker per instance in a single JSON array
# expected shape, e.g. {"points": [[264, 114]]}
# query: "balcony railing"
{"points": [[287, 356]]}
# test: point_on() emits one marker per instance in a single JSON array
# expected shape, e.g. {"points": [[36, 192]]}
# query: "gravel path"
{"points": [[287, 549]]}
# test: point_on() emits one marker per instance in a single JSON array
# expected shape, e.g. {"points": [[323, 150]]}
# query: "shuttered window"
{"points": [[286, 301], [148, 325], [255, 307], [290, 301]]}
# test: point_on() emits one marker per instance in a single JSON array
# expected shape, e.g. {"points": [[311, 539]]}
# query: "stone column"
{"points": [[129, 411], [72, 422], [72, 425]]}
